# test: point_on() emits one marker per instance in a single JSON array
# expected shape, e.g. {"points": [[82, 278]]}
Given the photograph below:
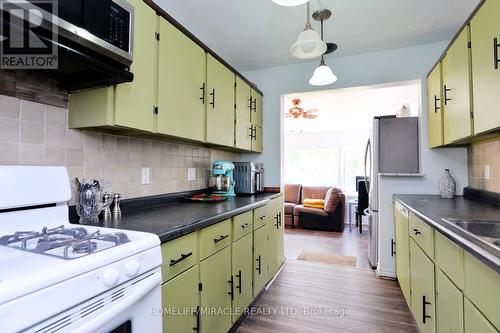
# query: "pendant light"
{"points": [[308, 45], [323, 75], [290, 3]]}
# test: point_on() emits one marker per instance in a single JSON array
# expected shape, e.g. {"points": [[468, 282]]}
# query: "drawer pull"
{"points": [[202, 98], [173, 262], [231, 282], [263, 217], [416, 232], [246, 225], [424, 303], [213, 98], [197, 314], [239, 281], [446, 99], [221, 238], [495, 53], [277, 218], [259, 268], [436, 107]]}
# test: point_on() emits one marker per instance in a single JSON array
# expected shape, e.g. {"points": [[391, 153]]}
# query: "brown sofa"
{"points": [[292, 199], [329, 218]]}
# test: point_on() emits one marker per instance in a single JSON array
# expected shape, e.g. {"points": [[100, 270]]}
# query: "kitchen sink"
{"points": [[484, 228]]}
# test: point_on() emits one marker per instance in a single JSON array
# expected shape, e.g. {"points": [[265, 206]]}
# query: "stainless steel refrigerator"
{"points": [[392, 150]]}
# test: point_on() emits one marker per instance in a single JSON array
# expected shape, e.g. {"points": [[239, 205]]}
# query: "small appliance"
{"points": [[224, 179], [249, 177]]}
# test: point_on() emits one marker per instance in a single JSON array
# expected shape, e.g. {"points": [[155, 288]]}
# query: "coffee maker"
{"points": [[224, 180]]}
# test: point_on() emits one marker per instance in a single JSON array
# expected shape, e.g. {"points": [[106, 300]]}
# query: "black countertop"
{"points": [[433, 209], [180, 217]]}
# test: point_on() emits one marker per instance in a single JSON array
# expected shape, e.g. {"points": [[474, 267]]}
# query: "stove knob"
{"points": [[132, 268], [110, 277]]}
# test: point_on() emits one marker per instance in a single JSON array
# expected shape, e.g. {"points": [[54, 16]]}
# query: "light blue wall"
{"points": [[366, 69]]}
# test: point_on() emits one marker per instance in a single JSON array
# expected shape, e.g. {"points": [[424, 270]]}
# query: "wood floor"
{"points": [[348, 243], [313, 297]]}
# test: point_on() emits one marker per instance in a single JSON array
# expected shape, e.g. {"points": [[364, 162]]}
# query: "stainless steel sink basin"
{"points": [[484, 228]]}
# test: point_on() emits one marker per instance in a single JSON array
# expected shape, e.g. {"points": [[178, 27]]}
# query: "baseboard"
{"points": [[386, 274]]}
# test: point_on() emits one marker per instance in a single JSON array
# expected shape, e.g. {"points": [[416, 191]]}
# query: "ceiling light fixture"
{"points": [[290, 3], [308, 45], [323, 75]]}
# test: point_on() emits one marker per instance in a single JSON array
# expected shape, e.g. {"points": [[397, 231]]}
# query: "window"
{"points": [[352, 166], [316, 167]]}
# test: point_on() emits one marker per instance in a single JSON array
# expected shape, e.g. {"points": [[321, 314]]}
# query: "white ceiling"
{"points": [[254, 34]]}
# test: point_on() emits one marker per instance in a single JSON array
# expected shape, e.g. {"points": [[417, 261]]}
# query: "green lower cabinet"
{"points": [[260, 259], [276, 237], [402, 250], [215, 276], [449, 305], [422, 289], [180, 301], [242, 275], [475, 322]]}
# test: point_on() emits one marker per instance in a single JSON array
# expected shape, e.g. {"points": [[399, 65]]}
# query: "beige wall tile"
{"points": [[56, 116], [32, 133], [9, 130], [31, 111], [75, 157], [9, 153], [55, 156], [9, 107], [55, 136], [31, 154]]}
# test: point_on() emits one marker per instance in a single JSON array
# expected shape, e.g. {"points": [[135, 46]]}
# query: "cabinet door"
{"points": [[449, 305], [257, 140], [456, 90], [215, 276], [220, 104], [434, 107], [475, 322], [242, 275], [402, 250], [181, 85], [260, 258], [134, 101], [243, 103], [256, 108], [422, 289], [485, 38], [276, 237], [179, 296]]}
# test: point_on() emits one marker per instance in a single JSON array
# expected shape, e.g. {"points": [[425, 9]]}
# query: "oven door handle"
{"points": [[144, 288]]}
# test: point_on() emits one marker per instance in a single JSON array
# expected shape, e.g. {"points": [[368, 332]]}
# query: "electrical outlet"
{"points": [[486, 172], [145, 176], [191, 174]]}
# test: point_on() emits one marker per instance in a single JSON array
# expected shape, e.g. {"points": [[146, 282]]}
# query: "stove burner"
{"points": [[63, 242]]}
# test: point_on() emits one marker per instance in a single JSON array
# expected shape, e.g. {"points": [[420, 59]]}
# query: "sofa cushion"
{"points": [[333, 197], [315, 211], [292, 193], [314, 192], [289, 208]]}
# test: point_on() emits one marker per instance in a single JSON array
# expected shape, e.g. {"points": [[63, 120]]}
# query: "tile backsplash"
{"points": [[481, 156], [37, 134]]}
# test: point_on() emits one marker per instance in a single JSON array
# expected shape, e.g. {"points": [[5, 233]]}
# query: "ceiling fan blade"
{"points": [[309, 116], [311, 111]]}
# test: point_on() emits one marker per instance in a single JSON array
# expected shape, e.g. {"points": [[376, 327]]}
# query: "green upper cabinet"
{"points": [[256, 108], [457, 104], [181, 85], [485, 38], [449, 305], [135, 100], [220, 104], [402, 250], [257, 143], [243, 103], [434, 107], [215, 273], [242, 275], [422, 289], [130, 104]]}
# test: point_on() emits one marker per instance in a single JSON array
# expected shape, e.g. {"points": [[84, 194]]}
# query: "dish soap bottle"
{"points": [[447, 185]]}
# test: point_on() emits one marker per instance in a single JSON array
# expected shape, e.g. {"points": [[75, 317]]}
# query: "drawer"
{"points": [[482, 287], [262, 215], [242, 225], [422, 234], [179, 255], [450, 258], [214, 238]]}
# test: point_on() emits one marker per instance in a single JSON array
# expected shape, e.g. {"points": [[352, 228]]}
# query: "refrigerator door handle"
{"points": [[367, 212], [368, 150]]}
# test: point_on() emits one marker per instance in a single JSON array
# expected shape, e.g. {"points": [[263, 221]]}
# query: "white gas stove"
{"points": [[58, 277]]}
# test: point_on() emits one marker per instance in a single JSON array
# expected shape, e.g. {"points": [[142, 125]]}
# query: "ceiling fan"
{"points": [[297, 112]]}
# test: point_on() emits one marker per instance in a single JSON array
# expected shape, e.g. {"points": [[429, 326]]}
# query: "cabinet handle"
{"points": [[202, 98], [213, 98], [277, 218], [221, 237], [280, 219], [446, 99], [436, 107], [239, 281], [495, 53], [393, 252], [250, 103], [254, 108], [174, 262], [263, 217], [254, 132], [416, 232], [259, 268], [424, 304], [197, 314], [251, 132], [231, 282], [246, 225]]}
